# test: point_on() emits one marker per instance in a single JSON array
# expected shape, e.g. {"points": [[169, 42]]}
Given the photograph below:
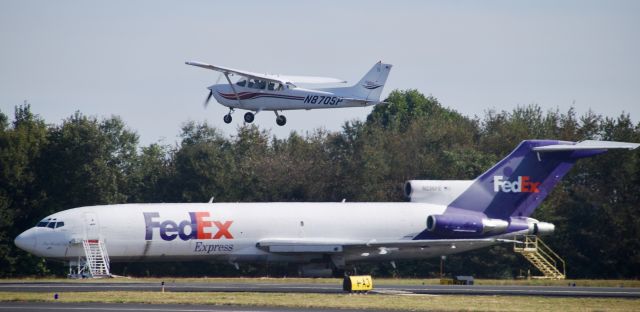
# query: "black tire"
{"points": [[227, 118], [281, 120], [248, 117]]}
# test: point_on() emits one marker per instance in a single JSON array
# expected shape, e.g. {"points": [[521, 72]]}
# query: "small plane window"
{"points": [[251, 83], [51, 225], [242, 82], [59, 224], [271, 86], [259, 84]]}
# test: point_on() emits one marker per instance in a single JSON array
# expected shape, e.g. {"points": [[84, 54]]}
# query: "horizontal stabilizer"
{"points": [[587, 145]]}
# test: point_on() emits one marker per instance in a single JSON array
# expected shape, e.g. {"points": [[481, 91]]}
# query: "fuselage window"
{"points": [[274, 86], [258, 84], [242, 82]]}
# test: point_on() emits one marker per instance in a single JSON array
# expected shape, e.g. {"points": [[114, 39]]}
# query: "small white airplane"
{"points": [[443, 217], [257, 92]]}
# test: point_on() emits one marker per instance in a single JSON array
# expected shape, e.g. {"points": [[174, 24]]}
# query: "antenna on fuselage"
{"points": [[211, 199]]}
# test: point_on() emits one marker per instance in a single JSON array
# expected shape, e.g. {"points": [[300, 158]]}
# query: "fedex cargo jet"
{"points": [[442, 217]]}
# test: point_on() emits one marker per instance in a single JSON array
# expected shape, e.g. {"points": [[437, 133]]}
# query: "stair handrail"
{"points": [[546, 253], [555, 256]]}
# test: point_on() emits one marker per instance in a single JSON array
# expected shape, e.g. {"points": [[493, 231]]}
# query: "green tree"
{"points": [[21, 143]]}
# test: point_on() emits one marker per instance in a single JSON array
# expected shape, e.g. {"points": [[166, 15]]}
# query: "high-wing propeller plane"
{"points": [[257, 92]]}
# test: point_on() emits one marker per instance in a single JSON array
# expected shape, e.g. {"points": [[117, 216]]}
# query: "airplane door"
{"points": [[91, 226]]}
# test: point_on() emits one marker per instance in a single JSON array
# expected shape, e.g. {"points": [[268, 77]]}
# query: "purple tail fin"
{"points": [[516, 185]]}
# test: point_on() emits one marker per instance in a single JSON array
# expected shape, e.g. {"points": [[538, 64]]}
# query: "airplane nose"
{"points": [[26, 241]]}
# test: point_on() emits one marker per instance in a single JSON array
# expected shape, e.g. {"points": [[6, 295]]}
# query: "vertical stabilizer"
{"points": [[516, 185], [370, 86]]}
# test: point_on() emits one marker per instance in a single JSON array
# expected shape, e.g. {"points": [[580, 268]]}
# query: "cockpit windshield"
{"points": [[52, 223]]}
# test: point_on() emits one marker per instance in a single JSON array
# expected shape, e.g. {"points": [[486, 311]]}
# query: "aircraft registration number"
{"points": [[320, 99]]}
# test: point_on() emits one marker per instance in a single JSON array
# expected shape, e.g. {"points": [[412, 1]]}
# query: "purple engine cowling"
{"points": [[465, 225]]}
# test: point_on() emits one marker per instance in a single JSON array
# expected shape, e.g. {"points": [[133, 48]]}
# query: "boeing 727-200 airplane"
{"points": [[443, 217]]}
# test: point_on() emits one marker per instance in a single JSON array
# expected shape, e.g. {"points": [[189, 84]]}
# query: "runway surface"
{"points": [[618, 292], [59, 306]]}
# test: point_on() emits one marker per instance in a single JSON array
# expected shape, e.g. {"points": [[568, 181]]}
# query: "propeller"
{"points": [[206, 102]]}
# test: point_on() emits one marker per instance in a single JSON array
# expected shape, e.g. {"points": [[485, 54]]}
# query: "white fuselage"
{"points": [[286, 97], [231, 231]]}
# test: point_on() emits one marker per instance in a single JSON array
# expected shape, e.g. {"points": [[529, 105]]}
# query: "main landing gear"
{"points": [[248, 117], [280, 119]]}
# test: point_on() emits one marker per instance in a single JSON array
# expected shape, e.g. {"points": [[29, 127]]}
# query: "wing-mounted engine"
{"points": [[465, 225], [435, 192]]}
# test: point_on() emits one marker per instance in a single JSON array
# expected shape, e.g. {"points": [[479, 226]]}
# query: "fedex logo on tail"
{"points": [[197, 227], [522, 185]]}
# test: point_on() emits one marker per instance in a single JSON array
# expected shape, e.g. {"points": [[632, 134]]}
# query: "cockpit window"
{"points": [[242, 82], [257, 84], [44, 222], [51, 223]]}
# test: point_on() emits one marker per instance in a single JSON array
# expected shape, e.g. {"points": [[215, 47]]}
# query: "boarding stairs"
{"points": [[96, 258], [541, 257]]}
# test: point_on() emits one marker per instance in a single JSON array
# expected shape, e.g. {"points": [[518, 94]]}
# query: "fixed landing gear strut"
{"points": [[227, 118], [280, 119]]}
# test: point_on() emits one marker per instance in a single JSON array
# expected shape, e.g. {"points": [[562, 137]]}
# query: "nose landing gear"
{"points": [[227, 118]]}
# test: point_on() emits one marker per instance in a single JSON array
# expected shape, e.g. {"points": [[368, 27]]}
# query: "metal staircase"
{"points": [[96, 258], [541, 256]]}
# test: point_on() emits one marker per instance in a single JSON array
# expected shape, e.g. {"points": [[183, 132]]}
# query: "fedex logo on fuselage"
{"points": [[197, 227], [522, 185]]}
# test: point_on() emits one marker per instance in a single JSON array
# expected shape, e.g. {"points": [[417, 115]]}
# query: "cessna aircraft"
{"points": [[257, 92], [442, 217]]}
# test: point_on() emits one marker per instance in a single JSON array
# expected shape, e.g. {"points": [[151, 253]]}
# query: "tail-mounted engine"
{"points": [[465, 225]]}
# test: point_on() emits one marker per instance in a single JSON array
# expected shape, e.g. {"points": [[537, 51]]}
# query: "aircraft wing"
{"points": [[337, 246], [269, 77]]}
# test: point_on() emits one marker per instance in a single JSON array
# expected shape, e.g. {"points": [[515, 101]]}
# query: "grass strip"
{"points": [[340, 301]]}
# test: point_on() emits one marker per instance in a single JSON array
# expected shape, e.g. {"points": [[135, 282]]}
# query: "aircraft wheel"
{"points": [[281, 120], [248, 117], [227, 118]]}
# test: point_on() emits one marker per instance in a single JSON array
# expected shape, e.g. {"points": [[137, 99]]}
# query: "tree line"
{"points": [[45, 168]]}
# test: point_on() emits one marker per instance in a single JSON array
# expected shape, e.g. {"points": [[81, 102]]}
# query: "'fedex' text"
{"points": [[522, 185], [197, 227]]}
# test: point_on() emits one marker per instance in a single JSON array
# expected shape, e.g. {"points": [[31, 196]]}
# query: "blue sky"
{"points": [[126, 58]]}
